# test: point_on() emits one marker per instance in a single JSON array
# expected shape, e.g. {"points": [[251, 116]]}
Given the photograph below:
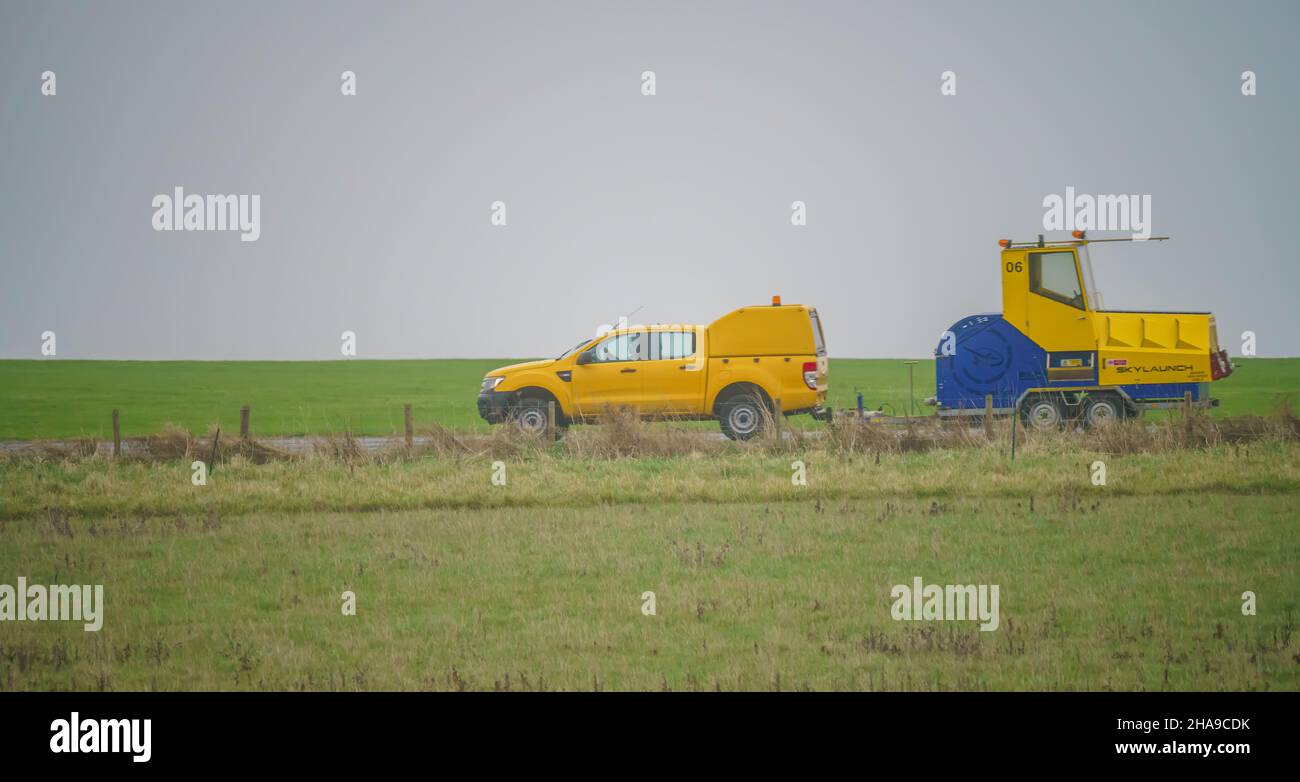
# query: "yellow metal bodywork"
{"points": [[762, 346], [1131, 347], [1146, 347], [763, 331]]}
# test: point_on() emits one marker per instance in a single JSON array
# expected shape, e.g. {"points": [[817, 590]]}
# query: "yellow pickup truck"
{"points": [[734, 370]]}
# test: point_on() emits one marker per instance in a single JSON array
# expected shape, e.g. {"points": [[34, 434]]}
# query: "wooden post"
{"points": [[1015, 422], [212, 460], [776, 418], [117, 435], [243, 422], [988, 415], [410, 427], [550, 419]]}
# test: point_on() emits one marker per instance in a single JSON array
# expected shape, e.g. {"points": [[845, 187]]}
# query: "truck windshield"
{"points": [[570, 350], [1089, 284]]}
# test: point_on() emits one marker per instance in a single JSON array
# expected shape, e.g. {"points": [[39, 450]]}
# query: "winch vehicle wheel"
{"points": [[1103, 410], [1042, 413]]}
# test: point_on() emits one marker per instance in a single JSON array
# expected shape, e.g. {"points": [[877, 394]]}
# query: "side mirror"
{"points": [[584, 357]]}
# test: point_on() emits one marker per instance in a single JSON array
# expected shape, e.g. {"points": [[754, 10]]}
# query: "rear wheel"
{"points": [[1103, 411], [742, 416], [1042, 413]]}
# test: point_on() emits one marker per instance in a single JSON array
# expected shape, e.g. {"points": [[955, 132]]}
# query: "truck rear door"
{"points": [[674, 374]]}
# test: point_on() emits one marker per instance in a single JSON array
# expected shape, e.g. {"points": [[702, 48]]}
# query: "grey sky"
{"points": [[375, 208]]}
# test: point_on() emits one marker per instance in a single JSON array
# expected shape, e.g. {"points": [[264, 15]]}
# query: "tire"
{"points": [[1102, 411], [742, 416], [529, 415], [1042, 413]]}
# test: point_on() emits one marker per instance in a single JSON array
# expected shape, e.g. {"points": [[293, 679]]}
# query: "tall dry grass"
{"points": [[622, 434]]}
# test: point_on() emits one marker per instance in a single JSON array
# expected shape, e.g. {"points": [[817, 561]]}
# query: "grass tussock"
{"points": [[177, 443], [623, 434], [1193, 430], [59, 450], [173, 442]]}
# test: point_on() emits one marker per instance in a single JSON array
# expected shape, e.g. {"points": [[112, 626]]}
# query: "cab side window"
{"points": [[621, 347], [1054, 276], [672, 344]]}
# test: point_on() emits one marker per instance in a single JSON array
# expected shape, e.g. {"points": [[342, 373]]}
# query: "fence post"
{"points": [[117, 435], [243, 422], [212, 460], [776, 419], [550, 419], [1015, 423], [410, 427], [988, 415]]}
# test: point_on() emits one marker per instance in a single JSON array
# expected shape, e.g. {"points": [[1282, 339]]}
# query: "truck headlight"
{"points": [[490, 383]]}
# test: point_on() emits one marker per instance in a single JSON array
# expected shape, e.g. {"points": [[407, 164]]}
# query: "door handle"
{"points": [[626, 371], [683, 366]]}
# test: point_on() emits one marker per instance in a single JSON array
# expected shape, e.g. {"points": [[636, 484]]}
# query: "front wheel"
{"points": [[529, 416], [742, 416], [1042, 413]]}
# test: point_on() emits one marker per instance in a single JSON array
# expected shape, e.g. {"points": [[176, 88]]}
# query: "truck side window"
{"points": [[622, 347], [1054, 275], [672, 344]]}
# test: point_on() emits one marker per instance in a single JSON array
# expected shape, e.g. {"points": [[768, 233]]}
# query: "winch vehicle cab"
{"points": [[1055, 353], [734, 370]]}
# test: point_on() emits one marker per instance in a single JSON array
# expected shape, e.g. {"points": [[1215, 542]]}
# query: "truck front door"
{"points": [[1056, 307], [609, 374]]}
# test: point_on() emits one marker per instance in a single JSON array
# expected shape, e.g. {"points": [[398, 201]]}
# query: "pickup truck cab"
{"points": [[734, 370]]}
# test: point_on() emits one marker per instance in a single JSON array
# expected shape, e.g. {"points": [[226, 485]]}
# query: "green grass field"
{"points": [[1117, 596], [759, 584], [59, 399]]}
